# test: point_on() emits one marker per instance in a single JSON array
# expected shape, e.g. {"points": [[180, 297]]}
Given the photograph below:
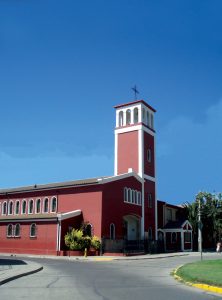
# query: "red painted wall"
{"points": [[149, 168], [43, 243], [114, 207], [127, 152], [88, 200], [149, 187]]}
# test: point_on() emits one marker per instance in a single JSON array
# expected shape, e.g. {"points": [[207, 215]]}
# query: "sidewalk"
{"points": [[12, 268]]}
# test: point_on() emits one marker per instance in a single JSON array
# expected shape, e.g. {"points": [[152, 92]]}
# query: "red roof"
{"points": [[134, 102]]}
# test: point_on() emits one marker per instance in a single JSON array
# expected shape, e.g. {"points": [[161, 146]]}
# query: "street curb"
{"points": [[19, 275], [104, 258], [202, 286]]}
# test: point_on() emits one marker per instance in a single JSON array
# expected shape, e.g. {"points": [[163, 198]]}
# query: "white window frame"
{"points": [[36, 203], [24, 201], [120, 118], [125, 194], [10, 208], [51, 204], [148, 118], [19, 235], [185, 241], [33, 207], [44, 202], [135, 115], [128, 117], [7, 228], [17, 202], [143, 115], [139, 198], [151, 121], [30, 230], [150, 200], [4, 208]]}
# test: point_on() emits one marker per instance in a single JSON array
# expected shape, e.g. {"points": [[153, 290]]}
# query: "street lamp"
{"points": [[200, 226]]}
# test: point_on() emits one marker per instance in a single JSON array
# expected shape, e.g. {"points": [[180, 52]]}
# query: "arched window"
{"points": [[150, 201], [139, 198], [129, 196], [133, 196], [149, 155], [53, 204], [24, 207], [135, 115], [46, 205], [88, 230], [31, 206], [10, 208], [33, 230], [17, 207], [9, 230], [125, 194], [120, 118], [17, 230], [112, 231], [143, 115], [151, 121], [4, 209], [128, 117], [38, 206], [148, 118]]}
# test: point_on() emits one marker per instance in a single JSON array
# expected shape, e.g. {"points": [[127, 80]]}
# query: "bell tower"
{"points": [[135, 150]]}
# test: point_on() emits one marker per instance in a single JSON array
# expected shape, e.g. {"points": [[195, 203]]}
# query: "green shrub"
{"points": [[95, 243], [75, 240]]}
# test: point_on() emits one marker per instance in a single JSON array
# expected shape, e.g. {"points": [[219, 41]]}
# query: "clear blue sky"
{"points": [[65, 64]]}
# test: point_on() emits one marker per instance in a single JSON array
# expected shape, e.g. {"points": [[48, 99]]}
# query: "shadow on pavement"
{"points": [[12, 262]]}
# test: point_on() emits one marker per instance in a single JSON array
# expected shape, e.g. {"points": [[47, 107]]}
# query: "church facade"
{"points": [[119, 208]]}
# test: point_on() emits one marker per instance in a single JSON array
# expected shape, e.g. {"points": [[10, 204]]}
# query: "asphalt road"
{"points": [[115, 280]]}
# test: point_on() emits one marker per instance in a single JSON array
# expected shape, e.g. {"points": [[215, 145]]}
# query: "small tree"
{"points": [[75, 240], [95, 243]]}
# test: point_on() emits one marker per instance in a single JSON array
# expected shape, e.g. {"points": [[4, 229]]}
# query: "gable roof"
{"points": [[68, 184], [176, 224]]}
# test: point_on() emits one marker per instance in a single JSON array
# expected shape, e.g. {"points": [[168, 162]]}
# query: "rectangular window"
{"points": [[187, 237], [169, 214]]}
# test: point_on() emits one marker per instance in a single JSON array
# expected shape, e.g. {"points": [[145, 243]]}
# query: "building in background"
{"points": [[174, 231]]}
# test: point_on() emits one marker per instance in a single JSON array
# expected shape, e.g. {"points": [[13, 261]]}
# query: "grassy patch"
{"points": [[208, 272]]}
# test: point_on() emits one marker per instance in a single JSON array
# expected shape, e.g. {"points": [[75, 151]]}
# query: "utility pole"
{"points": [[200, 225]]}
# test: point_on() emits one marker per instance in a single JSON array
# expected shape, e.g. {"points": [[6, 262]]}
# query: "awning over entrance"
{"points": [[177, 236], [69, 214]]}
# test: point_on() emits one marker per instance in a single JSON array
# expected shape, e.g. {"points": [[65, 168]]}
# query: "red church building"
{"points": [[121, 209]]}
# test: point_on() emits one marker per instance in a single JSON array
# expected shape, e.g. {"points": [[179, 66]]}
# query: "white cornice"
{"points": [[134, 128], [119, 177], [149, 178]]}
